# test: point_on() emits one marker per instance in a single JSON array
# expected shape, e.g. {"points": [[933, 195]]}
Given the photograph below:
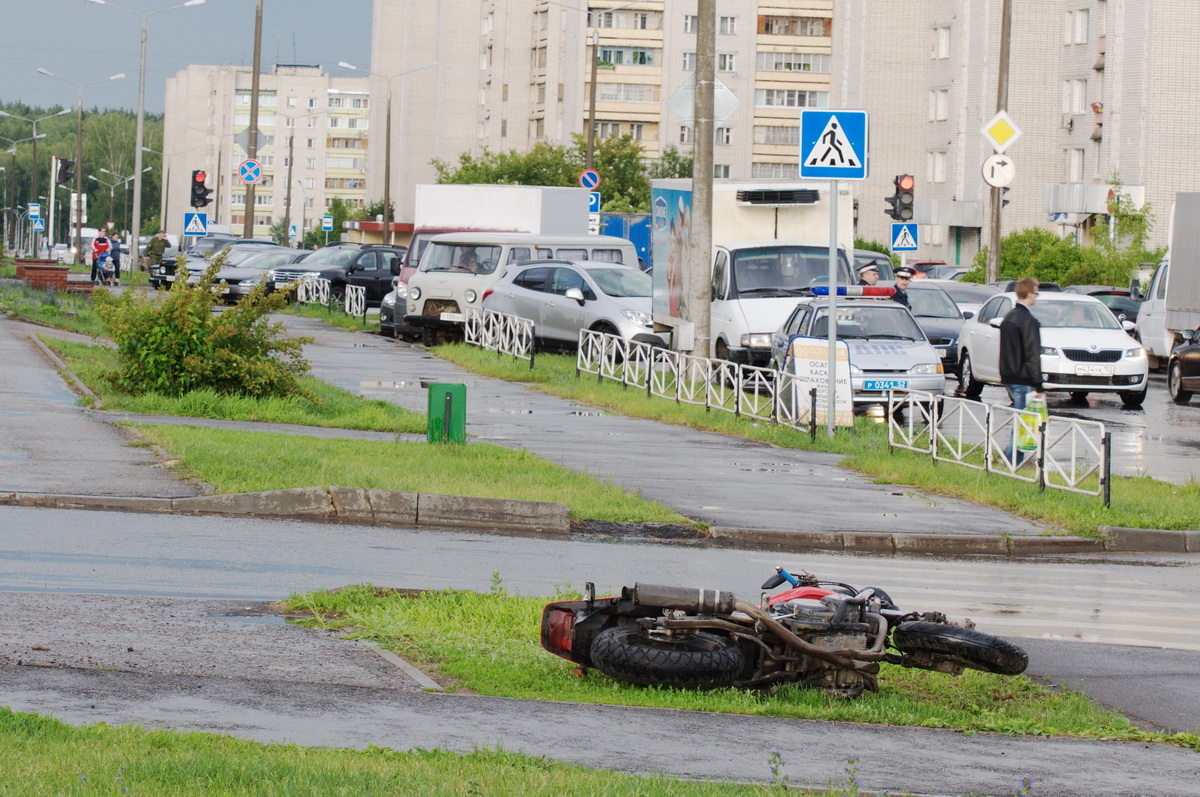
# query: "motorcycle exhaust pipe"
{"points": [[842, 657], [688, 599]]}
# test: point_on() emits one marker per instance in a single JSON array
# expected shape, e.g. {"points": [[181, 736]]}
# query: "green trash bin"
{"points": [[447, 413]]}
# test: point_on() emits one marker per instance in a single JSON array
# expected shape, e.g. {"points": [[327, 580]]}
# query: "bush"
{"points": [[178, 344]]}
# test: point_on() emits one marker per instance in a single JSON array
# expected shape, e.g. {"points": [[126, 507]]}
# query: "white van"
{"points": [[456, 269]]}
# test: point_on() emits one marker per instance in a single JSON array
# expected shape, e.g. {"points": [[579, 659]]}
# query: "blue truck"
{"points": [[633, 227]]}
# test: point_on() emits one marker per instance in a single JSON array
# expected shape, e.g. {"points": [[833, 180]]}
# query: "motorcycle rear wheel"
{"points": [[686, 661], [964, 646]]}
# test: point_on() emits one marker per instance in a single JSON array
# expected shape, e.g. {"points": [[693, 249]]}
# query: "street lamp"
{"points": [[387, 145], [287, 200], [123, 180], [591, 131], [79, 152], [136, 232], [33, 168]]}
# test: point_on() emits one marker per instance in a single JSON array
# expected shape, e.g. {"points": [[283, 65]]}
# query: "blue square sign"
{"points": [[833, 144]]}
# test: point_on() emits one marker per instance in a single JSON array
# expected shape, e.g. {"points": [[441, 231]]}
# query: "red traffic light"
{"points": [[905, 182], [199, 176]]}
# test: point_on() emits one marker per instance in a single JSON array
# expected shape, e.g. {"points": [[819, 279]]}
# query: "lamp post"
{"points": [[121, 180], [287, 200], [79, 152], [591, 131], [136, 232], [33, 167], [387, 144]]}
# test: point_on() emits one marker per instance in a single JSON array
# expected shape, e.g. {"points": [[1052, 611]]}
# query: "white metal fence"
{"points": [[500, 332], [355, 303], [312, 290]]}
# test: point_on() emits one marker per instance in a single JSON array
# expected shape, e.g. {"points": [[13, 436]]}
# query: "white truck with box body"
{"points": [[770, 246], [1172, 302]]}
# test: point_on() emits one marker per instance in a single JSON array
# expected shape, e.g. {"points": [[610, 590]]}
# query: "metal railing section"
{"points": [[1006, 427], [1076, 452], [914, 427], [502, 333], [355, 303], [312, 290], [961, 432]]}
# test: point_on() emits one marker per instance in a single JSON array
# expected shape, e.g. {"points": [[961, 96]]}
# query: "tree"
{"points": [[316, 237], [1033, 252], [875, 246], [672, 163]]}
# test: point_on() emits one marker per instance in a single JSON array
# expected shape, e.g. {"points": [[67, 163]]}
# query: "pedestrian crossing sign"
{"points": [[833, 144], [904, 237], [195, 224]]}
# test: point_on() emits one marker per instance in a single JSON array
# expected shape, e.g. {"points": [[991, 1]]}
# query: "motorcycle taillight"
{"points": [[560, 630]]}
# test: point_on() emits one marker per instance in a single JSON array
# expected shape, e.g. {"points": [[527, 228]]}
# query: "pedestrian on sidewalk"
{"points": [[155, 250], [114, 252], [1021, 347], [99, 247]]}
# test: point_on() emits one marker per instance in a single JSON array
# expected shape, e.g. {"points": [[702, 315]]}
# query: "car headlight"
{"points": [[271, 275], [1133, 353], [854, 369], [926, 368], [757, 340], [638, 317], [310, 275], [251, 282], [402, 291], [390, 300], [1049, 351], [414, 293], [471, 296]]}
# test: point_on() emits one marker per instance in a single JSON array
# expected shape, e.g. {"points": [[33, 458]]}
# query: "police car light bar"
{"points": [[855, 290]]}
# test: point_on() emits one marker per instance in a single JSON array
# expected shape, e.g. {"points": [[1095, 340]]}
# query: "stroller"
{"points": [[104, 269]]}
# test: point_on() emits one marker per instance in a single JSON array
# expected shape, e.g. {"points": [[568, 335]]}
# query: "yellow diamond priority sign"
{"points": [[1001, 131]]}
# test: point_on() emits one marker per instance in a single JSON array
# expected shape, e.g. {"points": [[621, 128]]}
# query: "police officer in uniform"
{"points": [[868, 274], [904, 276]]}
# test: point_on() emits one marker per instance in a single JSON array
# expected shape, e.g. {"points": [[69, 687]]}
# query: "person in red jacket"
{"points": [[100, 246]]}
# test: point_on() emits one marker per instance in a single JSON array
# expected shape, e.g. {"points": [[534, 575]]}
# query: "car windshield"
{"points": [[332, 256], [268, 260], [969, 292], [783, 270], [932, 303], [1079, 315], [882, 320], [462, 258], [882, 262], [621, 282]]}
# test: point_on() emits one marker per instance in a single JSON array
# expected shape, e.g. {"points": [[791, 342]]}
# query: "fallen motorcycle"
{"points": [[822, 634]]}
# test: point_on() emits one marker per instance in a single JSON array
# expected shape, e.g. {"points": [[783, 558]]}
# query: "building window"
{"points": [[1075, 26], [723, 135], [1074, 166], [725, 62], [767, 171], [685, 134], [627, 92], [793, 26], [539, 129], [309, 183], [941, 42], [777, 135], [291, 102], [312, 102], [691, 23], [939, 105], [310, 163], [1074, 96], [637, 131], [608, 129], [641, 20], [689, 62], [790, 98], [936, 167], [792, 62], [336, 102], [312, 142], [720, 170], [727, 25], [634, 56]]}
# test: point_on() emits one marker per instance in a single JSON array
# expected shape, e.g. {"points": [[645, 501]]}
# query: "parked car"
{"points": [[1183, 368], [1084, 348], [237, 280], [371, 266], [235, 255], [888, 350], [562, 297], [946, 272], [922, 267], [939, 317], [163, 273], [1007, 286], [969, 296], [882, 261], [1120, 301]]}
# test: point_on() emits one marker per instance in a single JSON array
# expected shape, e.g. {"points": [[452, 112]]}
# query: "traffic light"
{"points": [[65, 175], [201, 196], [902, 200]]}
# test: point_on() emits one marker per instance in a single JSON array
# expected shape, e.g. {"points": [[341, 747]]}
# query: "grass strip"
{"points": [[1139, 502], [338, 408], [488, 643], [237, 462], [42, 756]]}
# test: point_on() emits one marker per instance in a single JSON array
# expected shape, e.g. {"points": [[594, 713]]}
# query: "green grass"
{"points": [[236, 462], [57, 309], [336, 317], [42, 756], [1136, 502], [338, 408], [488, 643]]}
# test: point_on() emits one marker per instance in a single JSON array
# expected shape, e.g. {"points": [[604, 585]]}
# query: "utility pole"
{"points": [[699, 257], [252, 137], [993, 256]]}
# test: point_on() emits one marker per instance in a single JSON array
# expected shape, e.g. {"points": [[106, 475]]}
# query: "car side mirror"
{"points": [[996, 322], [1188, 335], [968, 314], [1128, 326], [576, 294]]}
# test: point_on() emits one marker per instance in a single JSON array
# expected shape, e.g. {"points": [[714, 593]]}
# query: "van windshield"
{"points": [[783, 270], [461, 258]]}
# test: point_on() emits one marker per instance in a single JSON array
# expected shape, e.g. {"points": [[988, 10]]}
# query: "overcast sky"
{"points": [[82, 41]]}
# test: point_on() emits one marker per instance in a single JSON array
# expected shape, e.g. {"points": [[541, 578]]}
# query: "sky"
{"points": [[82, 42]]}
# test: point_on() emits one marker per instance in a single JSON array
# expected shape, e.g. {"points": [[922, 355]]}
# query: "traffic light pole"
{"points": [[993, 256]]}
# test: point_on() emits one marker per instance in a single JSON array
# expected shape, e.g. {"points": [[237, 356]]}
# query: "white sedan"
{"points": [[1084, 348]]}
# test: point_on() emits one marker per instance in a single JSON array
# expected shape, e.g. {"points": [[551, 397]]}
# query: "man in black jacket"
{"points": [[1021, 346]]}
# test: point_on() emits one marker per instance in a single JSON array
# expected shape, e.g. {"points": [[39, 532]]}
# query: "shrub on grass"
{"points": [[176, 344]]}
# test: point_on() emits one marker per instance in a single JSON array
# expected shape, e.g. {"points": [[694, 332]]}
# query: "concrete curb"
{"points": [[336, 505]]}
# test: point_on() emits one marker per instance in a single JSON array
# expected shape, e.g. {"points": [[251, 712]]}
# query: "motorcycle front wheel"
{"points": [[964, 646], [701, 660]]}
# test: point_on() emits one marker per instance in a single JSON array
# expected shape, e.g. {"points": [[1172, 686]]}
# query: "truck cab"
{"points": [[1152, 329], [756, 285]]}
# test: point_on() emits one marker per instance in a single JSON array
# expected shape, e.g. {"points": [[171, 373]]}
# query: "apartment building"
{"points": [[315, 130], [524, 74], [1099, 90]]}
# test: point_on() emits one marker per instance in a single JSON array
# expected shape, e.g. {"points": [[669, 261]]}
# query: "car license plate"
{"points": [[1091, 369], [459, 317], [281, 285], [885, 384]]}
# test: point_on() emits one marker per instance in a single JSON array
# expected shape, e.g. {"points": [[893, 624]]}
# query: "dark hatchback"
{"points": [[1183, 368], [370, 266]]}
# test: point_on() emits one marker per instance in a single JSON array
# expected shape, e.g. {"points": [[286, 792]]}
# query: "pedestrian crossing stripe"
{"points": [[833, 149], [195, 224]]}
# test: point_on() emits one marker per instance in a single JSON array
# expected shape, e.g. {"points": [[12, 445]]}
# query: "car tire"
{"points": [[1133, 399], [972, 388], [1175, 384]]}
